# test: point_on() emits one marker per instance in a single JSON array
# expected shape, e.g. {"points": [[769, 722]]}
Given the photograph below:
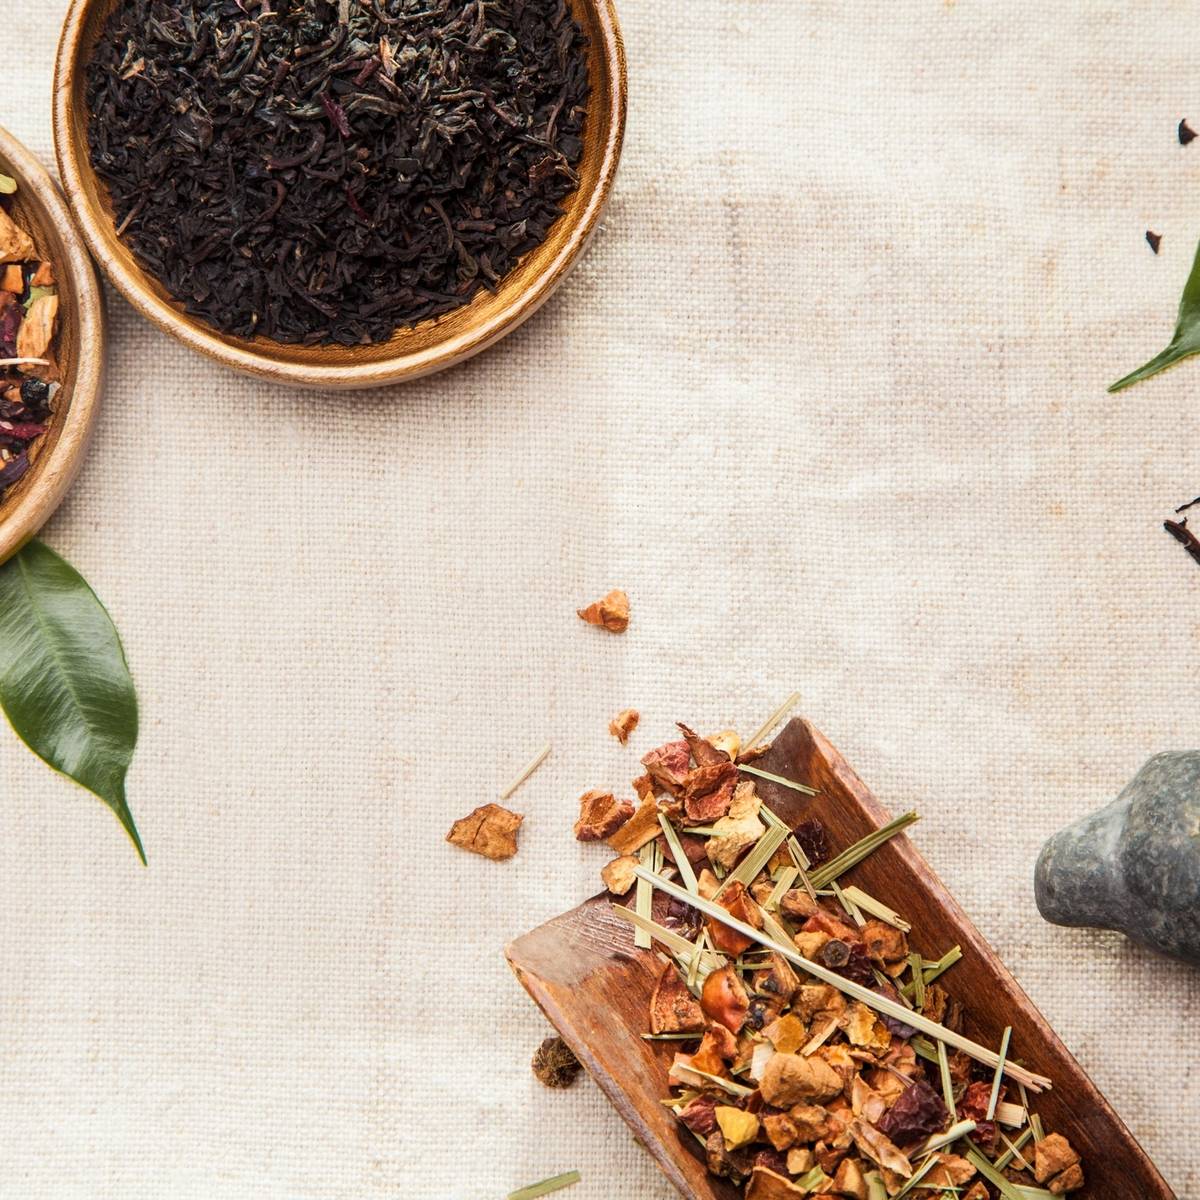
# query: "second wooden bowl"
{"points": [[56, 456], [429, 346]]}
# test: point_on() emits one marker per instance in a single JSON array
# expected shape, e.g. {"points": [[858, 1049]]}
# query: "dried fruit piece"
{"points": [[778, 981], [698, 1115], [883, 942], [724, 1000], [736, 901], [879, 1148], [951, 1172], [1052, 1155], [703, 751], [668, 764], [611, 613], [490, 831], [799, 1160], [787, 1033], [766, 1184], [623, 724], [641, 828], [37, 330], [740, 1128], [918, 1112], [790, 1079], [849, 1180], [618, 874], [554, 1064], [1070, 1180], [708, 792], [673, 1009], [15, 244], [813, 841], [600, 816]]}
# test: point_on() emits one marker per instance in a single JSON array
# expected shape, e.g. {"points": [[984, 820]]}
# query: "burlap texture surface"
{"points": [[827, 398]]}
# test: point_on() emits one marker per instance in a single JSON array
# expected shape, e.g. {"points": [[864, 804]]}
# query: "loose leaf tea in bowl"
{"points": [[317, 172]]}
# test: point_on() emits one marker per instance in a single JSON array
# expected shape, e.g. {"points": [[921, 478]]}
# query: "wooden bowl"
{"points": [[430, 346], [595, 987], [38, 207]]}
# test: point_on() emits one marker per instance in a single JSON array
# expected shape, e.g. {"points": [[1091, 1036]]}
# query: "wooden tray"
{"points": [[594, 986]]}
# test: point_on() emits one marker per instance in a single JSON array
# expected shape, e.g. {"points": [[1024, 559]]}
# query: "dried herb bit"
{"points": [[611, 613], [623, 724], [320, 171], [555, 1184], [554, 1064], [1184, 536], [1153, 240], [1184, 342], [1186, 132], [490, 831]]}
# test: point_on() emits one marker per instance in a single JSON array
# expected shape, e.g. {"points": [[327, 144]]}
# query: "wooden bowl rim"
{"points": [[101, 238], [55, 468]]}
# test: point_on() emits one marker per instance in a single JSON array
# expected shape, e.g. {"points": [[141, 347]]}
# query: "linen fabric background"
{"points": [[827, 398]]}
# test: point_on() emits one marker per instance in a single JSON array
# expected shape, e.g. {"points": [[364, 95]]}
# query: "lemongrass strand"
{"points": [[874, 1001]]}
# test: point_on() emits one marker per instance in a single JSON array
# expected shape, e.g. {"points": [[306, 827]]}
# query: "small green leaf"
{"points": [[1186, 340], [36, 293], [64, 682]]}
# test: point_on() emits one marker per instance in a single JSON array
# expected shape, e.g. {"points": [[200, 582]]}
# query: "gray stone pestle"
{"points": [[1135, 865]]}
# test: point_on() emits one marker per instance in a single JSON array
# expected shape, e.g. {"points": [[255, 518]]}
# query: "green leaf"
{"points": [[1186, 340], [64, 682], [8, 185]]}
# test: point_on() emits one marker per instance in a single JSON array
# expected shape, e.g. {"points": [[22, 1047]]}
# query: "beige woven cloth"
{"points": [[827, 398]]}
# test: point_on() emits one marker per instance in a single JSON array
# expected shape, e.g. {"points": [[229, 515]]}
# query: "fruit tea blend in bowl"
{"points": [[329, 171], [29, 371], [817, 1052]]}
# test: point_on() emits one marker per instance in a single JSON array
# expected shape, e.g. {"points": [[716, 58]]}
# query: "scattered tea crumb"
{"points": [[618, 874], [1189, 504], [1184, 536], [1186, 132], [554, 1064], [611, 613], [623, 724], [490, 831], [1153, 240]]}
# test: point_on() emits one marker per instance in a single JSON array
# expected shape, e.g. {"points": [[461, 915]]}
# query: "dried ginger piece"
{"points": [[12, 279], [611, 613], [624, 723], [15, 244], [490, 831], [618, 874], [641, 828], [600, 816], [554, 1064]]}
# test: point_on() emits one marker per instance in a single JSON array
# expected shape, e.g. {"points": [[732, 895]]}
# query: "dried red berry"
{"points": [[918, 1112]]}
